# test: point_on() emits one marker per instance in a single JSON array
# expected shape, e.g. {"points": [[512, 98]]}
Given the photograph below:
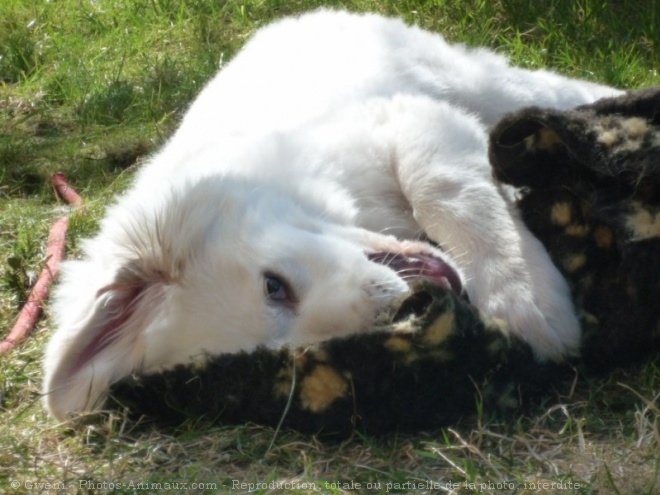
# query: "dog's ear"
{"points": [[106, 343]]}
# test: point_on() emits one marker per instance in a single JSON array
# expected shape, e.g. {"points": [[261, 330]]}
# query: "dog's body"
{"points": [[297, 198]]}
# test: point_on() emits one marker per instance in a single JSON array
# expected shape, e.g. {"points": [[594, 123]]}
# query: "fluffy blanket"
{"points": [[588, 183], [590, 190]]}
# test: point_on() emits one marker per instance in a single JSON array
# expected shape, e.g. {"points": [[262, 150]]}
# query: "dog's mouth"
{"points": [[420, 265]]}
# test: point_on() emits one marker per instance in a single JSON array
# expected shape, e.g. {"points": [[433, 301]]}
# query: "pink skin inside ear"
{"points": [[123, 304]]}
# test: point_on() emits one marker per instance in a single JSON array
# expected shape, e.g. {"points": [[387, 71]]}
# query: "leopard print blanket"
{"points": [[588, 186]]}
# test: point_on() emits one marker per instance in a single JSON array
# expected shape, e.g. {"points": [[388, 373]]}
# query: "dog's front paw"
{"points": [[537, 307]]}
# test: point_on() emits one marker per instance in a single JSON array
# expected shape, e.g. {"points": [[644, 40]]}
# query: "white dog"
{"points": [[297, 199]]}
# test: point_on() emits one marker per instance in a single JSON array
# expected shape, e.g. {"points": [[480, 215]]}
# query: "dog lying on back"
{"points": [[334, 160]]}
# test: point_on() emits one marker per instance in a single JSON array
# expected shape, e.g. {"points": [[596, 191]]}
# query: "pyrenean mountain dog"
{"points": [[337, 157]]}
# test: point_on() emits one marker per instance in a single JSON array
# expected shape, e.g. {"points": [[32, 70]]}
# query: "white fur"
{"points": [[330, 136]]}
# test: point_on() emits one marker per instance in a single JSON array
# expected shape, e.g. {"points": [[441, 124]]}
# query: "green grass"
{"points": [[91, 87]]}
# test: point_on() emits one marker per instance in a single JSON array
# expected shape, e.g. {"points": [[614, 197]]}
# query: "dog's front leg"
{"points": [[442, 168], [508, 274]]}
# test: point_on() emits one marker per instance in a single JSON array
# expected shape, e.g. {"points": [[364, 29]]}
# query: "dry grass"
{"points": [[603, 439]]}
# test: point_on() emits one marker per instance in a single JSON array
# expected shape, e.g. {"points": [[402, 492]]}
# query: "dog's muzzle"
{"points": [[421, 265]]}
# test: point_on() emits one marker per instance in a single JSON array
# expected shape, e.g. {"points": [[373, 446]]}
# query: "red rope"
{"points": [[33, 307]]}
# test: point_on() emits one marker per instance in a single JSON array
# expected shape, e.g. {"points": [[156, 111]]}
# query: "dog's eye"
{"points": [[276, 289]]}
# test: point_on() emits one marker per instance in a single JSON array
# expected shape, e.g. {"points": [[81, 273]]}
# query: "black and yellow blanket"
{"points": [[589, 183]]}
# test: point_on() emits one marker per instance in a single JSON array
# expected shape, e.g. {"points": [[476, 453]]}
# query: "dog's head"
{"points": [[218, 266]]}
